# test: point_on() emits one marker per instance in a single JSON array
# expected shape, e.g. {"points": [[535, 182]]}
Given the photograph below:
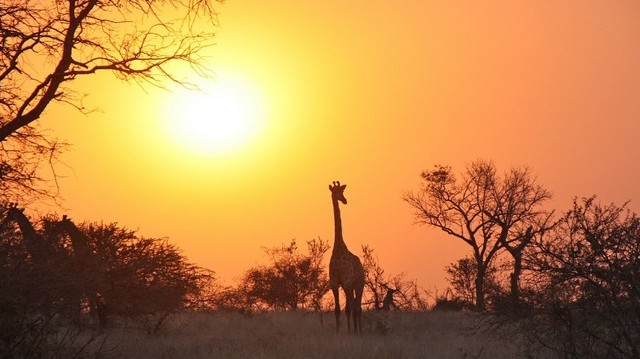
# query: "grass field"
{"points": [[305, 335]]}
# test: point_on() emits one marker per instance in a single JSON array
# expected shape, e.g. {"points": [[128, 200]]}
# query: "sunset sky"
{"points": [[368, 93]]}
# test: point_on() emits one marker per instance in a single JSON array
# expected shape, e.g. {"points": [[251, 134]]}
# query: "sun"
{"points": [[224, 115]]}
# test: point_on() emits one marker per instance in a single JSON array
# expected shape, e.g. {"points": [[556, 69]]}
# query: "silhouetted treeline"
{"points": [[585, 276], [54, 275], [571, 282]]}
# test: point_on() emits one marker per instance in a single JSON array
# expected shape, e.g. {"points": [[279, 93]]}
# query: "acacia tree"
{"points": [[137, 276], [487, 211], [46, 45], [125, 275], [517, 201], [587, 269], [291, 281], [459, 206]]}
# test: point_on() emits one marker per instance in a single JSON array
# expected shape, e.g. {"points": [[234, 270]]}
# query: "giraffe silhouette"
{"points": [[85, 265], [31, 240], [79, 242], [345, 269], [388, 302]]}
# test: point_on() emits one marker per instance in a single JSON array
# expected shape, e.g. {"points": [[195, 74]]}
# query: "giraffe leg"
{"points": [[336, 297], [356, 324], [357, 309], [348, 293], [354, 313]]}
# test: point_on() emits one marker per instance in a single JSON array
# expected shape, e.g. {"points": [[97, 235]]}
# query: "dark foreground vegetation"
{"points": [[570, 282]]}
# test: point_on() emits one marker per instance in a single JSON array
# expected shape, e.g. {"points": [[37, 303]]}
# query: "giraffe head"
{"points": [[337, 192], [13, 209]]}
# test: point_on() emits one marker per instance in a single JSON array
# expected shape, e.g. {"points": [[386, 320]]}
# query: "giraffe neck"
{"points": [[78, 239], [28, 232], [338, 244]]}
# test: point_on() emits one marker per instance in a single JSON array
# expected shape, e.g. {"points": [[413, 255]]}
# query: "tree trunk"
{"points": [[515, 276], [480, 304]]}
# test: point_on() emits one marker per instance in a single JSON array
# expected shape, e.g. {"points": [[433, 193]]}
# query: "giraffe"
{"points": [[85, 264], [32, 241], [79, 242], [345, 269], [388, 302]]}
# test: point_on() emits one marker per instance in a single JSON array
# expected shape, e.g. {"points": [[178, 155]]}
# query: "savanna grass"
{"points": [[305, 335]]}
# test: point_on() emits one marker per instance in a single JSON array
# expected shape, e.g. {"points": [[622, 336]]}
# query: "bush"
{"points": [[291, 281], [138, 276], [589, 269]]}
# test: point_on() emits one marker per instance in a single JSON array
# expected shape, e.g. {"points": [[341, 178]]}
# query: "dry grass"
{"points": [[301, 335]]}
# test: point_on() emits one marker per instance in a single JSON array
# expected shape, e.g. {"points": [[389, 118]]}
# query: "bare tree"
{"points": [[459, 206], [487, 211], [518, 212], [384, 291], [46, 45], [374, 277]]}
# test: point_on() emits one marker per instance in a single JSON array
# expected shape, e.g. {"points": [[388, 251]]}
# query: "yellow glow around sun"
{"points": [[226, 114]]}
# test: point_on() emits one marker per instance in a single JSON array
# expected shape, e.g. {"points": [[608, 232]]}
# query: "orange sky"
{"points": [[369, 93]]}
